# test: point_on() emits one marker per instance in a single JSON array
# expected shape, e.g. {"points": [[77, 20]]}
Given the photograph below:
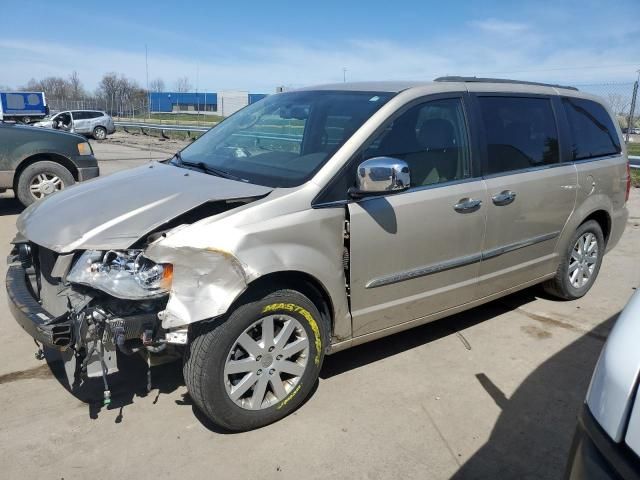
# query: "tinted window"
{"points": [[95, 114], [520, 133], [431, 137], [592, 130], [79, 115]]}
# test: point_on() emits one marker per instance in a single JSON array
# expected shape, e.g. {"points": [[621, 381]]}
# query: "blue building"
{"points": [[180, 102], [202, 102]]}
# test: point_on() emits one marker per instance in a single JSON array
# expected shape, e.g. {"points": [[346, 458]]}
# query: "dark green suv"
{"points": [[36, 163]]}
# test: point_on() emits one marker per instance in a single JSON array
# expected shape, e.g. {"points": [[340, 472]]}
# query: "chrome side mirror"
{"points": [[380, 175]]}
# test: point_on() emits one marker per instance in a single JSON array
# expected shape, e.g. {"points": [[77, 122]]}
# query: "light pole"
{"points": [[344, 74]]}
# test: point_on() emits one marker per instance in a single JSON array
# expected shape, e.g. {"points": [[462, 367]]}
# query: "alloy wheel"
{"points": [[266, 362], [584, 258], [45, 184]]}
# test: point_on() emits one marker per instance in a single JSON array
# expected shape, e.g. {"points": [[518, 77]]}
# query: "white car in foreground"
{"points": [[607, 440]]}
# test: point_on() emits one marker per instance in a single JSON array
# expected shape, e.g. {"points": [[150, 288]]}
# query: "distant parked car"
{"points": [[92, 123], [606, 444], [36, 163]]}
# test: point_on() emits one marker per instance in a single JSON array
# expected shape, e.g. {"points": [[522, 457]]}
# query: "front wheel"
{"points": [[259, 364], [581, 263], [40, 180]]}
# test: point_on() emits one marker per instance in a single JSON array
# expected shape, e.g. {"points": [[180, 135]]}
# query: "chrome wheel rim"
{"points": [[45, 184], [584, 257], [266, 362]]}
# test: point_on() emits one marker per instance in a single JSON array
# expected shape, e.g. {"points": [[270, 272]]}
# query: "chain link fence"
{"points": [[115, 106]]}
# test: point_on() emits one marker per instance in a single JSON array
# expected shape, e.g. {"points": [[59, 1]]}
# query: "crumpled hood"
{"points": [[114, 211]]}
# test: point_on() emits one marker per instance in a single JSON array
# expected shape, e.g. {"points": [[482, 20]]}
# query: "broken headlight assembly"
{"points": [[122, 274]]}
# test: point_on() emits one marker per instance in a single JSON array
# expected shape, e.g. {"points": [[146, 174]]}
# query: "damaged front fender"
{"points": [[205, 282]]}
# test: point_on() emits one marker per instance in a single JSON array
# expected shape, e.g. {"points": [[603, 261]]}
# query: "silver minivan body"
{"points": [[316, 220], [412, 257]]}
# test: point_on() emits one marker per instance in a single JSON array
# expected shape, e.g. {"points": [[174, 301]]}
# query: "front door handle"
{"points": [[467, 205], [504, 198]]}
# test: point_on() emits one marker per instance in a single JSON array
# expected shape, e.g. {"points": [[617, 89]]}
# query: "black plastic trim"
{"points": [[30, 315]]}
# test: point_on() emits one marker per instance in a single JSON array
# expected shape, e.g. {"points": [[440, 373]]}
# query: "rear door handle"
{"points": [[504, 198], [467, 205]]}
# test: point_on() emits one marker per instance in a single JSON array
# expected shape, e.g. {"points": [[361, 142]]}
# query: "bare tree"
{"points": [[55, 88], [121, 95], [75, 86], [156, 85], [182, 85], [5, 88]]}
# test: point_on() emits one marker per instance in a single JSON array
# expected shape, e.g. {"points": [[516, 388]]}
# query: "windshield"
{"points": [[282, 140]]}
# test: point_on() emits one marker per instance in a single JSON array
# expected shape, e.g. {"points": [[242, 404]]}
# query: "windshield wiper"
{"points": [[209, 169]]}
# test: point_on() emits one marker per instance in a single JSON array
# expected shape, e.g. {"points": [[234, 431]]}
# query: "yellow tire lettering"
{"points": [[291, 395], [292, 307]]}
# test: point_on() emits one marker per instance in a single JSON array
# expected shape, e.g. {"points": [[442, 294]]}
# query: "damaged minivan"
{"points": [[319, 219]]}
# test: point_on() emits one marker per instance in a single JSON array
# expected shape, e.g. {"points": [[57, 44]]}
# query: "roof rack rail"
{"points": [[498, 80]]}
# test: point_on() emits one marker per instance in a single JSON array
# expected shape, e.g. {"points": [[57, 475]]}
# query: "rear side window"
{"points": [[520, 133], [592, 130], [95, 114], [79, 115]]}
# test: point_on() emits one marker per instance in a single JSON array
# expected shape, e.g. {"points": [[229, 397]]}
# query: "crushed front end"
{"points": [[89, 304]]}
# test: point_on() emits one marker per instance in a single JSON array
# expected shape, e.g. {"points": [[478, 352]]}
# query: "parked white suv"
{"points": [[92, 123]]}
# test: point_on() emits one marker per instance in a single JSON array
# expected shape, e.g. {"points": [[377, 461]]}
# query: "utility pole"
{"points": [[344, 74], [630, 123], [146, 63]]}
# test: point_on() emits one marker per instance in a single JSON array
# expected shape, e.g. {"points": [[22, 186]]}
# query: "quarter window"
{"points": [[520, 133], [592, 131], [431, 137]]}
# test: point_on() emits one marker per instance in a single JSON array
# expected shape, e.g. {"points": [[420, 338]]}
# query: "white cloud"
{"points": [[495, 26], [263, 65]]}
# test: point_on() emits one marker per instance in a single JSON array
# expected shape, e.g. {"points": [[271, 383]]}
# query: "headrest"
{"points": [[436, 134]]}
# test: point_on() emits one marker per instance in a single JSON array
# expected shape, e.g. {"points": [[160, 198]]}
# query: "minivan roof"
{"points": [[465, 83]]}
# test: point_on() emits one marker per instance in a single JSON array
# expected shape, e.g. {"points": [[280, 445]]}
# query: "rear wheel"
{"points": [[258, 365], [581, 263], [99, 133], [40, 180], [26, 120]]}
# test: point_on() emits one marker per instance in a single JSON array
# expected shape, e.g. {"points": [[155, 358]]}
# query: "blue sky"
{"points": [[259, 45]]}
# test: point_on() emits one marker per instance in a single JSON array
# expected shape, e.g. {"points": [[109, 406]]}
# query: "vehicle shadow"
{"points": [[532, 436], [10, 206], [367, 353]]}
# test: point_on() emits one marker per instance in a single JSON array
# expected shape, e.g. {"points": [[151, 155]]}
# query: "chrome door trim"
{"points": [[518, 245], [423, 271], [456, 262]]}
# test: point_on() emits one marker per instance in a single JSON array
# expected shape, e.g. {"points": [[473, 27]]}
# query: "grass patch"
{"points": [[175, 119], [633, 148], [635, 177]]}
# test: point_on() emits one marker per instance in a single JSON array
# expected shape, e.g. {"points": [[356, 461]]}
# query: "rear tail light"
{"points": [[626, 197]]}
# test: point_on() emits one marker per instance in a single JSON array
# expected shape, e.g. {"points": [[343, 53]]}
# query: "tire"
{"points": [[41, 173], [561, 285], [210, 353], [99, 133], [26, 120]]}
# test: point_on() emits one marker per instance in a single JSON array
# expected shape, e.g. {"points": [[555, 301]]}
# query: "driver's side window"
{"points": [[431, 137]]}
